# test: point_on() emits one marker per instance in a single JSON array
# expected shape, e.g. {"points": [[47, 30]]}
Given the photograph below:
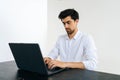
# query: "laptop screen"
{"points": [[28, 56]]}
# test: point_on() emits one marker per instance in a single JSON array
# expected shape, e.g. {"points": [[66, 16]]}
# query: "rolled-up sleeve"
{"points": [[90, 54]]}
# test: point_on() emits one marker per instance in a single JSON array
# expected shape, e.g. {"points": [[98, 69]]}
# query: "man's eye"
{"points": [[68, 22]]}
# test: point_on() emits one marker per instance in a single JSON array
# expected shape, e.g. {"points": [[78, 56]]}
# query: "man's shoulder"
{"points": [[85, 36]]}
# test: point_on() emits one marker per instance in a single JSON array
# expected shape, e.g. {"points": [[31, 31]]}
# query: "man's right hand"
{"points": [[47, 60]]}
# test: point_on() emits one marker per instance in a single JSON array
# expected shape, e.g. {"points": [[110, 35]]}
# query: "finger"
{"points": [[53, 66], [50, 66], [48, 61], [45, 60]]}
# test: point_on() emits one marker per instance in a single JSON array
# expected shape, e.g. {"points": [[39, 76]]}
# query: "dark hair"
{"points": [[69, 12]]}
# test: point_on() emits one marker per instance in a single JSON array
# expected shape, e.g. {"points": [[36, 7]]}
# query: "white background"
{"points": [[100, 18], [37, 21], [22, 21]]}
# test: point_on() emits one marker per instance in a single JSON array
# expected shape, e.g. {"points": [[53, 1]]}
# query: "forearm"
{"points": [[79, 65]]}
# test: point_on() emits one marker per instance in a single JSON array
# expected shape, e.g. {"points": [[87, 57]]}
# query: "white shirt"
{"points": [[80, 48]]}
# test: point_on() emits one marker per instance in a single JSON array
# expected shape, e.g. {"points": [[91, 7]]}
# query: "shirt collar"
{"points": [[76, 35]]}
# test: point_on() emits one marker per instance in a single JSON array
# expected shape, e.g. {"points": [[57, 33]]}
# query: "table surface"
{"points": [[9, 71]]}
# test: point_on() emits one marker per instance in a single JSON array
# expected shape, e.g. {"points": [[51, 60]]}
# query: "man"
{"points": [[75, 49]]}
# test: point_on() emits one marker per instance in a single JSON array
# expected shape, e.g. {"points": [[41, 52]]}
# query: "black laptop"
{"points": [[28, 57]]}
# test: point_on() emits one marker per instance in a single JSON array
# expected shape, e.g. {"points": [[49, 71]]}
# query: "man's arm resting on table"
{"points": [[79, 65], [57, 63]]}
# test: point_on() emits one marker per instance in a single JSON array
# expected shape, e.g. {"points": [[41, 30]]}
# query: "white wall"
{"points": [[22, 21], [101, 18], [26, 21]]}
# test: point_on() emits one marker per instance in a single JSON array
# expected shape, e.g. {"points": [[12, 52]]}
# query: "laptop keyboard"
{"points": [[53, 69]]}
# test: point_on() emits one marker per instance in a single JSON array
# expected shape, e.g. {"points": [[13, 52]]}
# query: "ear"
{"points": [[77, 20]]}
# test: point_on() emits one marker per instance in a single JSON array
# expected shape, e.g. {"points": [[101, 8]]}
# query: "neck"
{"points": [[73, 34]]}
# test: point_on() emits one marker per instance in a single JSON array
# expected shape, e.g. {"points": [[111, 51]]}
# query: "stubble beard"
{"points": [[70, 32]]}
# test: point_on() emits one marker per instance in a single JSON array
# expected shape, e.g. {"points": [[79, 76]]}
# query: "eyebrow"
{"points": [[66, 22]]}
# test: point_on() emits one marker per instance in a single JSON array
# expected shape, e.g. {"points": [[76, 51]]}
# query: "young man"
{"points": [[76, 49]]}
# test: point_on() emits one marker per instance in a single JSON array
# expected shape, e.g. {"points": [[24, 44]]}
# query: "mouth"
{"points": [[67, 29]]}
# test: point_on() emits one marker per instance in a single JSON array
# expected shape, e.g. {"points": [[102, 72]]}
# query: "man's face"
{"points": [[70, 24]]}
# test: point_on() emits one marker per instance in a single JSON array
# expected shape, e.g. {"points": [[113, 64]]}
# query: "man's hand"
{"points": [[56, 63], [47, 60]]}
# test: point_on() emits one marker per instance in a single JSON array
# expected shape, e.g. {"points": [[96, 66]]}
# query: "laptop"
{"points": [[28, 57]]}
